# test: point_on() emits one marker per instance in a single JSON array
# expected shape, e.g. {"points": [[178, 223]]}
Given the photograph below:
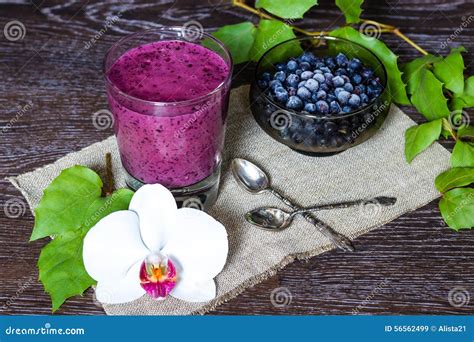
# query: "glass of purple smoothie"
{"points": [[168, 91]]}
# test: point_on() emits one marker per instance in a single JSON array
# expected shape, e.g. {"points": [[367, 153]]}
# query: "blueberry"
{"points": [[338, 81], [312, 84], [319, 77], [319, 65], [273, 84], [325, 69], [301, 84], [280, 66], [321, 95], [291, 66], [364, 98], [305, 66], [346, 109], [280, 76], [304, 93], [359, 89], [331, 98], [367, 73], [262, 84], [344, 125], [318, 71], [310, 107], [297, 137], [324, 87], [334, 107], [291, 91], [346, 79], [373, 82], [337, 91], [322, 107], [320, 141], [341, 59], [266, 77], [336, 141], [348, 87], [330, 62], [292, 80], [354, 64], [281, 94], [305, 75], [298, 72], [340, 72], [285, 133], [308, 57], [294, 102], [356, 78], [328, 77], [318, 128], [343, 96], [372, 91], [354, 101], [330, 127]]}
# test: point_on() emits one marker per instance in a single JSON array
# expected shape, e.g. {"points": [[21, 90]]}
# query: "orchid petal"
{"points": [[122, 290], [198, 245], [112, 246], [156, 209], [189, 291]]}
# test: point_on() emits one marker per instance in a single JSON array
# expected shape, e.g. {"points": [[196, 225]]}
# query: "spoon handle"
{"points": [[386, 201], [338, 239]]}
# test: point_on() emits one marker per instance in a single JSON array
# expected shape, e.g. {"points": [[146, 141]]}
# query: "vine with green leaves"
{"points": [[435, 85]]}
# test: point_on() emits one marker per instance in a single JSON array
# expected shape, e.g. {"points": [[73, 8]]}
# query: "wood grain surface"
{"points": [[408, 266]]}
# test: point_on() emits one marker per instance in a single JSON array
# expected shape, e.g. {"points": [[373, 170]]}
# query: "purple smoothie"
{"points": [[175, 140]]}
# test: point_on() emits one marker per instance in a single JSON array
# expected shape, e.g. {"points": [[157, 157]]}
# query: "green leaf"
{"points": [[450, 70], [468, 95], [412, 71], [65, 201], [269, 34], [61, 269], [456, 104], [287, 9], [351, 9], [466, 99], [466, 132], [388, 58], [463, 154], [428, 98], [239, 39], [70, 206], [457, 208], [419, 138], [454, 178]]}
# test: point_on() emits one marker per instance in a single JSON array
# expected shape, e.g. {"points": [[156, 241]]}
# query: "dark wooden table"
{"points": [[405, 267]]}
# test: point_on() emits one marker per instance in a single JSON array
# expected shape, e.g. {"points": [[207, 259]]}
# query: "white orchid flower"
{"points": [[155, 248]]}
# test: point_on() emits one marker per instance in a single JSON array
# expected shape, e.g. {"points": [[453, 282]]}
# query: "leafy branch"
{"points": [[434, 85], [73, 203]]}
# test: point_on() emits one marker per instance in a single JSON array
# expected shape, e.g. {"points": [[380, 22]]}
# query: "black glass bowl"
{"points": [[314, 134]]}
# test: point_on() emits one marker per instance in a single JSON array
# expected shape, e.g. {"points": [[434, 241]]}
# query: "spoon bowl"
{"points": [[249, 176], [269, 218]]}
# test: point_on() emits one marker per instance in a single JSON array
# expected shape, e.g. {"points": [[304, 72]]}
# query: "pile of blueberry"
{"points": [[325, 86]]}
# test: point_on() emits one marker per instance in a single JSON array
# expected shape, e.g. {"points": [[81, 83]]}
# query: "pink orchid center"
{"points": [[157, 275]]}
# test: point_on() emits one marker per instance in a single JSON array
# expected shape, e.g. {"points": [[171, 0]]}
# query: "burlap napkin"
{"points": [[376, 167]]}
